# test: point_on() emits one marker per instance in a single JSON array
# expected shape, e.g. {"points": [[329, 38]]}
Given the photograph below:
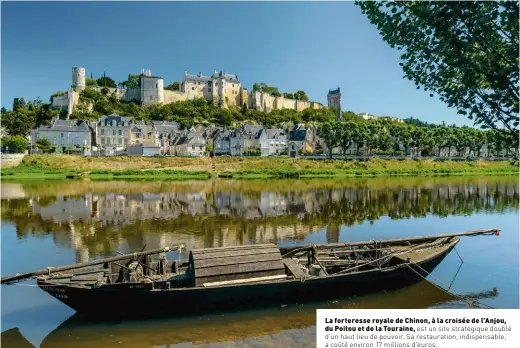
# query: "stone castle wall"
{"points": [[152, 92]]}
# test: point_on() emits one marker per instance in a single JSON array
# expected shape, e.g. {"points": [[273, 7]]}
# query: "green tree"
{"points": [[301, 95], [476, 140], [14, 143], [466, 52], [132, 82], [19, 122], [462, 141], [174, 86], [361, 136], [106, 81], [330, 132], [18, 103], [371, 142], [346, 136], [43, 145], [384, 141], [90, 82]]}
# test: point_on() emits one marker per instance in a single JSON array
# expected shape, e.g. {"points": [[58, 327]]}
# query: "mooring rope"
{"points": [[459, 297]]}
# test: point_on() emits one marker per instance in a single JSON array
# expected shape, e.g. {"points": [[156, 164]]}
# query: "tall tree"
{"points": [[330, 132], [466, 52], [361, 136], [18, 103], [346, 136], [19, 122]]}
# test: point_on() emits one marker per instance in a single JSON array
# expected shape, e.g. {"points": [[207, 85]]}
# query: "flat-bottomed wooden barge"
{"points": [[239, 277]]}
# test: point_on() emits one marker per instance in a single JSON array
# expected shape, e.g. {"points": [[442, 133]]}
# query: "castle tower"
{"points": [[152, 88], [78, 78], [334, 100]]}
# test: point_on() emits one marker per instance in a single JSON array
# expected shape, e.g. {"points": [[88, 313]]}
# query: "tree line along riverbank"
{"points": [[163, 168]]}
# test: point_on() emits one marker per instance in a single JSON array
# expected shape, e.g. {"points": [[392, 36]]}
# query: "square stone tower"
{"points": [[334, 100]]}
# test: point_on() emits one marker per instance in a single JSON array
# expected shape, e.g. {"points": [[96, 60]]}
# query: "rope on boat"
{"points": [[459, 297]]}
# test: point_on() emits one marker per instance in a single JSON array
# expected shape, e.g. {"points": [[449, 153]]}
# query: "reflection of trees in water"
{"points": [[100, 223]]}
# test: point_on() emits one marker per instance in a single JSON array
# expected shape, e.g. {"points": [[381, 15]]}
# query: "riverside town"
{"points": [[189, 174]]}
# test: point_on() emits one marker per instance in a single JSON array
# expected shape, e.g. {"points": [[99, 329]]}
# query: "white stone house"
{"points": [[68, 136], [273, 141]]}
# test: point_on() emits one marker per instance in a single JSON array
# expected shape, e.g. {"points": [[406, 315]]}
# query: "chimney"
{"points": [[200, 74], [185, 72]]}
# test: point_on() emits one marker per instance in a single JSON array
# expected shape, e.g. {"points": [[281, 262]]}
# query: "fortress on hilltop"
{"points": [[220, 88]]}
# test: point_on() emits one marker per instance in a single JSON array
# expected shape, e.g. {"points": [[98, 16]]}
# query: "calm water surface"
{"points": [[62, 222]]}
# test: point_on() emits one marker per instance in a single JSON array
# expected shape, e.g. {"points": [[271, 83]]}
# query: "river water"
{"points": [[51, 223]]}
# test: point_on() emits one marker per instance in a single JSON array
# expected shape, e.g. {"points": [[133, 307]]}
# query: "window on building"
{"points": [[113, 132], [151, 97], [120, 141], [102, 132], [193, 147], [192, 88], [125, 141], [120, 132], [61, 135], [209, 89], [233, 85], [54, 141]]}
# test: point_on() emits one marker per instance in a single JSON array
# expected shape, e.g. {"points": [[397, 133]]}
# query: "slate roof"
{"points": [[227, 77], [142, 128], [107, 120], [197, 78], [298, 135], [181, 140], [275, 133], [66, 126], [223, 135], [334, 92]]}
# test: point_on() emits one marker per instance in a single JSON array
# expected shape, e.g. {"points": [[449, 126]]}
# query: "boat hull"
{"points": [[103, 302]]}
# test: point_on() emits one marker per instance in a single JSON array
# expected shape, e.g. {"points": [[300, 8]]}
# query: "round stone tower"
{"points": [[78, 78]]}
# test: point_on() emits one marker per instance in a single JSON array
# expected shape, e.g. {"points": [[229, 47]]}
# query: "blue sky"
{"points": [[306, 45]]}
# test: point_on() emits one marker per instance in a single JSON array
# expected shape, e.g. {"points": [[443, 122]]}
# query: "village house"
{"points": [[273, 142], [245, 140], [67, 136], [191, 144], [141, 133], [297, 142], [164, 131], [221, 143], [113, 133]]}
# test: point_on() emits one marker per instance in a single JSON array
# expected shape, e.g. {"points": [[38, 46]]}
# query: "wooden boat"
{"points": [[239, 277]]}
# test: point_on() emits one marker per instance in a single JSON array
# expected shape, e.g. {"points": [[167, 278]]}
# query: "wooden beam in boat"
{"points": [[299, 248], [248, 280]]}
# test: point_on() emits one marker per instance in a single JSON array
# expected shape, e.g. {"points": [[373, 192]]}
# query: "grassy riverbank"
{"points": [[171, 168]]}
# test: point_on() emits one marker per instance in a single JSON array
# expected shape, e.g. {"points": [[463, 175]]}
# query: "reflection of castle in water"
{"points": [[97, 223]]}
